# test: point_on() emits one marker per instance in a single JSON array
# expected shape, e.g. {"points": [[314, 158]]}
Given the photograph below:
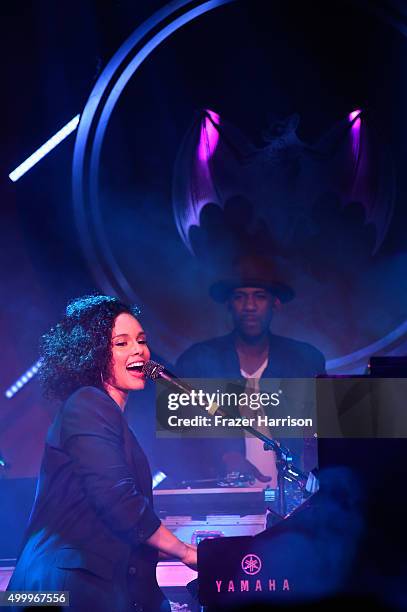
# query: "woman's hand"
{"points": [[190, 556], [169, 545]]}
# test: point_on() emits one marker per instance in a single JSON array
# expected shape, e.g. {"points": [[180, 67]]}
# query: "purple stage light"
{"points": [[357, 122], [354, 114], [209, 136]]}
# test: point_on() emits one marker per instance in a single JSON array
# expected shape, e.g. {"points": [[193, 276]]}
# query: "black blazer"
{"points": [[218, 358], [92, 513]]}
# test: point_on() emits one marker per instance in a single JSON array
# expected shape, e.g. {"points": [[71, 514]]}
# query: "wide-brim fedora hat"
{"points": [[251, 271]]}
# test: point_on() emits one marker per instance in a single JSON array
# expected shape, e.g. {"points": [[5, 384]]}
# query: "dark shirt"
{"points": [[218, 358]]}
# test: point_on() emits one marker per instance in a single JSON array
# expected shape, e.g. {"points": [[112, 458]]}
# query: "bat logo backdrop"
{"points": [[261, 143]]}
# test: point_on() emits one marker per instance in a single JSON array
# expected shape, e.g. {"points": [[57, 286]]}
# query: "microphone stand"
{"points": [[286, 470], [285, 467]]}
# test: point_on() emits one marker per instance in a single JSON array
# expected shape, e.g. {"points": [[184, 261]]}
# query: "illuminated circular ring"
{"points": [[92, 128], [89, 139]]}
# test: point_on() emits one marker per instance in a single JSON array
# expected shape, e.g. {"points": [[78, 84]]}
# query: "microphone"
{"points": [[155, 371]]}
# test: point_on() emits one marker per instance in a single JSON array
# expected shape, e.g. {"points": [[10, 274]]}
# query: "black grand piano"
{"points": [[347, 541]]}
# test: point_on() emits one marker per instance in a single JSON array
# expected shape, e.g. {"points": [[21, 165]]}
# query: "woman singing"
{"points": [[93, 531]]}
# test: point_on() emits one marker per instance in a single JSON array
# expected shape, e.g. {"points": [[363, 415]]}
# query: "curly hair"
{"points": [[77, 351]]}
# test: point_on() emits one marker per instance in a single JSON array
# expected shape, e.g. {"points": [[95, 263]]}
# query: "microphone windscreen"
{"points": [[152, 369]]}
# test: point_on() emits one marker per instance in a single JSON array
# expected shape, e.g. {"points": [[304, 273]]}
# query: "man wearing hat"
{"points": [[251, 292]]}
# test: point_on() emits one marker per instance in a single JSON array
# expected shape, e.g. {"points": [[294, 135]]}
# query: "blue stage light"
{"points": [[23, 380], [158, 478], [44, 149]]}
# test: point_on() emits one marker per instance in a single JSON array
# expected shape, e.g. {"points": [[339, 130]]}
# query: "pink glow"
{"points": [[354, 114], [355, 133], [209, 136]]}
